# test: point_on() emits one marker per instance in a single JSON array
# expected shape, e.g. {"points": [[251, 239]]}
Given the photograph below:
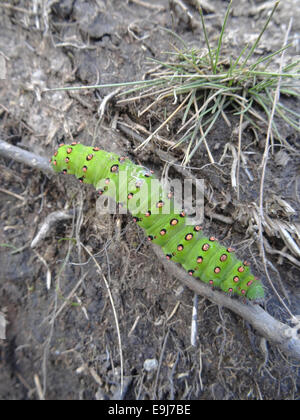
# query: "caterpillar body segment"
{"points": [[136, 189]]}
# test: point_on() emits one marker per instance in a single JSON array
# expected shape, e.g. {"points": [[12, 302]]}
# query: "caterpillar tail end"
{"points": [[256, 291]]}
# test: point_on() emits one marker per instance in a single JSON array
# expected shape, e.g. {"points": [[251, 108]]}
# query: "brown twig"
{"points": [[31, 159], [16, 9]]}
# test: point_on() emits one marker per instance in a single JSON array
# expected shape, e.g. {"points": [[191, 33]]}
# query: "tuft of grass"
{"points": [[204, 83], [208, 83]]}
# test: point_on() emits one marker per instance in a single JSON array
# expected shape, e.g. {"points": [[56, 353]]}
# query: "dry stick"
{"points": [[277, 332], [16, 9], [20, 155], [48, 275], [38, 386], [19, 197], [272, 251]]}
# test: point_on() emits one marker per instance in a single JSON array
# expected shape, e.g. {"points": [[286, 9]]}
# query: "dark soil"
{"points": [[74, 353]]}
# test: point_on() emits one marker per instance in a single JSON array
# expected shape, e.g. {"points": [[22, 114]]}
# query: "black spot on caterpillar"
{"points": [[202, 257]]}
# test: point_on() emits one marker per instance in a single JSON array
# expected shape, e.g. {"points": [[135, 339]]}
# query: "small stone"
{"points": [[150, 364]]}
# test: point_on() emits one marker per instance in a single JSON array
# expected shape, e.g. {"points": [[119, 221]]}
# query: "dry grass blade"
{"points": [[3, 323], [263, 167], [163, 124], [114, 312]]}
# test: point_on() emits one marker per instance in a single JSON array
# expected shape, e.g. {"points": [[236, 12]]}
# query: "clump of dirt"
{"points": [[61, 335]]}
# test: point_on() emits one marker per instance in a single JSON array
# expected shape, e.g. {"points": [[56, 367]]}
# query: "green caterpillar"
{"points": [[133, 187]]}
